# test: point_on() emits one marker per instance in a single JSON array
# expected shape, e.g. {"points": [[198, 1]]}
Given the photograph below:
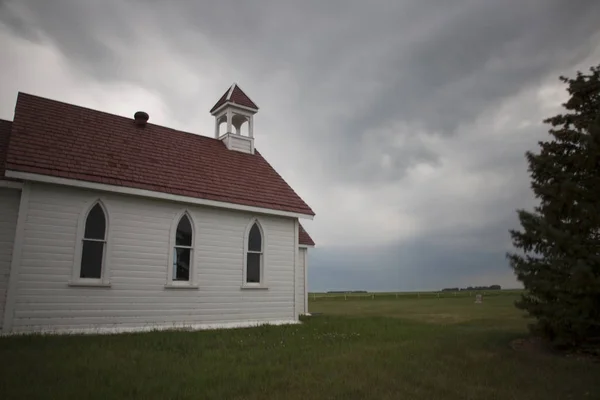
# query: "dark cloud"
{"points": [[88, 33], [433, 64], [412, 266], [486, 51], [382, 112]]}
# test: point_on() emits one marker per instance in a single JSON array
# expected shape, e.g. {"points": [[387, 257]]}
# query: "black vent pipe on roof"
{"points": [[141, 118]]}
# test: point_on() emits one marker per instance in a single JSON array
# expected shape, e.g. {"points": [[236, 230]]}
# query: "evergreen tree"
{"points": [[559, 243]]}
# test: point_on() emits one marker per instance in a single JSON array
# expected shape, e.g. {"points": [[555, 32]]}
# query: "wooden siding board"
{"points": [[9, 211], [140, 240], [300, 281]]}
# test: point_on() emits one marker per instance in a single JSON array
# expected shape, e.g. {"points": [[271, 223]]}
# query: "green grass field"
{"points": [[383, 348]]}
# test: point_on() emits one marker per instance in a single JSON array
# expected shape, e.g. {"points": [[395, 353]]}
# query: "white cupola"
{"points": [[236, 111]]}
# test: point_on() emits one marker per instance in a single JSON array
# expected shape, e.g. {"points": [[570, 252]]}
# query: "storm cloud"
{"points": [[403, 124]]}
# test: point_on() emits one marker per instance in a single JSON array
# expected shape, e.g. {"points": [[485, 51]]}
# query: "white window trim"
{"points": [[263, 260], [104, 280], [193, 282]]}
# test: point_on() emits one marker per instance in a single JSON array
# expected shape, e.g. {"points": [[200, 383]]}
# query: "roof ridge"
{"points": [[231, 89], [112, 115]]}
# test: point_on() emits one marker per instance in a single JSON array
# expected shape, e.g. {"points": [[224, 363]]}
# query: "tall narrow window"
{"points": [[254, 255], [94, 243], [182, 253]]}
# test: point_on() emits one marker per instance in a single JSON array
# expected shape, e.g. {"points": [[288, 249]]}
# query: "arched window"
{"points": [[94, 244], [182, 251], [254, 255]]}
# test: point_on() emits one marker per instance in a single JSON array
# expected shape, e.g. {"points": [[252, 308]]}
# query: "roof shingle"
{"points": [[63, 140]]}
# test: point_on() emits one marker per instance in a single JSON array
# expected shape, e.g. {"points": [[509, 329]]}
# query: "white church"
{"points": [[113, 224]]}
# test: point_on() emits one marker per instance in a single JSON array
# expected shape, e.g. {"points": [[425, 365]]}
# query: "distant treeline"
{"points": [[492, 287], [347, 291]]}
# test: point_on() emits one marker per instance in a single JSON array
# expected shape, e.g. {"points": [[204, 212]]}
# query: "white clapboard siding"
{"points": [[300, 281], [139, 235], [241, 145], [238, 142], [9, 210]]}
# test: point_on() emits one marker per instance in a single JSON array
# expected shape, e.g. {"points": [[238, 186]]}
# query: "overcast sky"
{"points": [[403, 124]]}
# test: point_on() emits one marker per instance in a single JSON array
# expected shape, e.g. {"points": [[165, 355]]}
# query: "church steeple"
{"points": [[235, 109]]}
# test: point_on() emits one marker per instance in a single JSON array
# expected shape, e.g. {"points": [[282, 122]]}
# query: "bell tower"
{"points": [[236, 111]]}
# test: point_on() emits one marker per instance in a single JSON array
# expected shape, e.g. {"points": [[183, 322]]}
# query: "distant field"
{"points": [[428, 308], [383, 348], [405, 295]]}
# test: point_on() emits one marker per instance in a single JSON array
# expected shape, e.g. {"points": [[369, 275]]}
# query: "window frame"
{"points": [[104, 280], [262, 284], [192, 283]]}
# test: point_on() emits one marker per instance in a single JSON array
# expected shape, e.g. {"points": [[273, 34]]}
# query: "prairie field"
{"points": [[367, 347]]}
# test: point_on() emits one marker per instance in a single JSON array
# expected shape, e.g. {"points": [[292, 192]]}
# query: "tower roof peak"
{"points": [[236, 96]]}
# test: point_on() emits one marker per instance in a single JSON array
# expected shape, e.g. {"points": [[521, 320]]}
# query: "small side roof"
{"points": [[304, 238]]}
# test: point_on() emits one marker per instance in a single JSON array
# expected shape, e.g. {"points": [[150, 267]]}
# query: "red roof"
{"points": [[237, 96], [4, 137], [304, 237], [63, 140]]}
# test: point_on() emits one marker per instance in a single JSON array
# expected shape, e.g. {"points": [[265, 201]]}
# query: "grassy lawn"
{"points": [[408, 348]]}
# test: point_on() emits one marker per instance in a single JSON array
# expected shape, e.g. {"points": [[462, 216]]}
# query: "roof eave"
{"points": [[28, 176], [231, 103], [10, 184]]}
